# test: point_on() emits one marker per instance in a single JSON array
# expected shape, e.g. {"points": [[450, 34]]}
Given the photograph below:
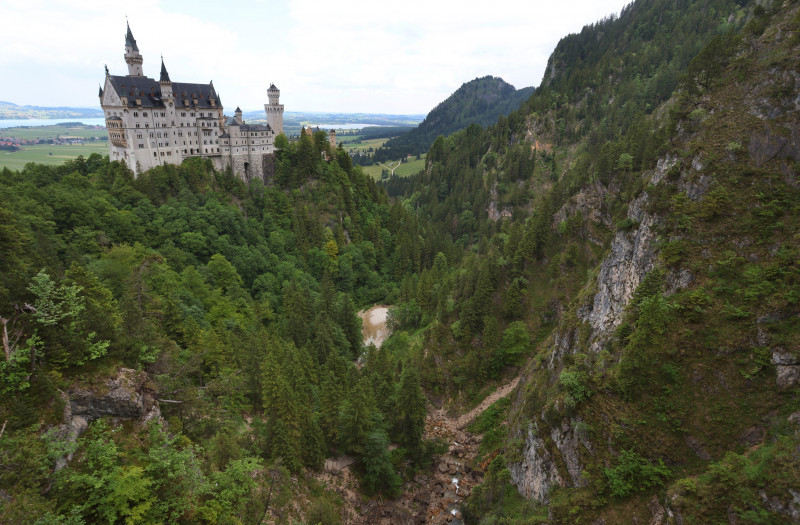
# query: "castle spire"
{"points": [[132, 56], [129, 40], [164, 74]]}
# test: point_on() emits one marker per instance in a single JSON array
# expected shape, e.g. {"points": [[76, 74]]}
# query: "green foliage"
{"points": [[409, 413], [737, 483], [323, 512], [379, 474], [574, 383], [633, 473]]}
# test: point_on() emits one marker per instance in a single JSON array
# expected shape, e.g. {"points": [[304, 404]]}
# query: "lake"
{"points": [[327, 127]]}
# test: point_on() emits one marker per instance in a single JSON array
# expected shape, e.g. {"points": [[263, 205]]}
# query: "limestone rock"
{"points": [[126, 396], [632, 256], [537, 472], [787, 367]]}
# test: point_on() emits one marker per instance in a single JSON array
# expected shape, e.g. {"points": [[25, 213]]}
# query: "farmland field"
{"points": [[49, 154], [355, 143], [403, 170], [51, 132]]}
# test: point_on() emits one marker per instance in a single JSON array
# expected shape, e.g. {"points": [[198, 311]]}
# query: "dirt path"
{"points": [[433, 497], [492, 398]]}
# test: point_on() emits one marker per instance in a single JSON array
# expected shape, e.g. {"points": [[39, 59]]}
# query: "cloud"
{"points": [[346, 56]]}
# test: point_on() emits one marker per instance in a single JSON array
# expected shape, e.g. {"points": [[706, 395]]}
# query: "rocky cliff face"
{"points": [[125, 396], [631, 256]]}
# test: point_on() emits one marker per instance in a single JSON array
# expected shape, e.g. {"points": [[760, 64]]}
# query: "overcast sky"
{"points": [[329, 56]]}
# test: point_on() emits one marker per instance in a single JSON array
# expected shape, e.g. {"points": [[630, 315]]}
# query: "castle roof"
{"points": [[272, 87], [148, 91], [129, 40], [164, 74], [231, 121], [255, 127], [238, 110]]}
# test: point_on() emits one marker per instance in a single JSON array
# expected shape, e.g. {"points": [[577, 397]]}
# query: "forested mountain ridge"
{"points": [[631, 236], [222, 312], [479, 101]]}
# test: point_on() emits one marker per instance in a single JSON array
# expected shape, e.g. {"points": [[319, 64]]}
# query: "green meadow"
{"points": [[405, 169], [49, 154], [359, 144], [51, 132]]}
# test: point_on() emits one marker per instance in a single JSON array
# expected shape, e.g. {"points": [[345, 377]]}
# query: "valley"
{"points": [[579, 305]]}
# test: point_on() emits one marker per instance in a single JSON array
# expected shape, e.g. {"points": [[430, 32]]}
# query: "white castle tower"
{"points": [[274, 110], [132, 56]]}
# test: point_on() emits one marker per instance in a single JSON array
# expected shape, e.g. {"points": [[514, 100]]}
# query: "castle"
{"points": [[151, 123]]}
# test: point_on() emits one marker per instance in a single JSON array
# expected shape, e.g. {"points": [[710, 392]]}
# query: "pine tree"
{"points": [[379, 474], [410, 412]]}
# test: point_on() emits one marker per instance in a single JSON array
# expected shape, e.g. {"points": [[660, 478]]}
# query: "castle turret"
{"points": [[132, 56], [274, 109], [238, 115], [165, 83]]}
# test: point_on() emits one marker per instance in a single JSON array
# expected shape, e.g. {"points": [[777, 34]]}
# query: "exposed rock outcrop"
{"points": [[126, 396], [537, 472], [787, 367], [632, 256]]}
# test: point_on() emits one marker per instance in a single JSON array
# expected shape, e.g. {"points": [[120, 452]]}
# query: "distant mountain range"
{"points": [[9, 110], [478, 101]]}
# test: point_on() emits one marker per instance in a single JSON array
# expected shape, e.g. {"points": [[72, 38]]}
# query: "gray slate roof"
{"points": [[149, 91], [255, 127], [129, 40], [164, 74]]}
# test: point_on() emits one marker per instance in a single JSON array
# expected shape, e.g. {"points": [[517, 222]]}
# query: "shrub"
{"points": [[634, 473], [577, 392]]}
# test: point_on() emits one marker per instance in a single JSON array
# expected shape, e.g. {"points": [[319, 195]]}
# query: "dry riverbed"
{"points": [[374, 328]]}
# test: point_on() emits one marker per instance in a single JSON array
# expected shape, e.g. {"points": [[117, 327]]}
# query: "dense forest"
{"points": [[236, 301], [478, 101], [184, 346], [631, 236]]}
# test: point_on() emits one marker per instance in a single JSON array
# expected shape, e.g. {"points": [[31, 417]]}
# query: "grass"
{"points": [[356, 143], [405, 169], [51, 132], [49, 154]]}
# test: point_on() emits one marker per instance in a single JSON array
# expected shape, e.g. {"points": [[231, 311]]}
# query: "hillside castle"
{"points": [[151, 123]]}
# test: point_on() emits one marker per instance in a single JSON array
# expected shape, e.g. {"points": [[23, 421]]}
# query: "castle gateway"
{"points": [[151, 122]]}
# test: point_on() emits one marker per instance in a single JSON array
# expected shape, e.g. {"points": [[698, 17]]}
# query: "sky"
{"points": [[343, 56]]}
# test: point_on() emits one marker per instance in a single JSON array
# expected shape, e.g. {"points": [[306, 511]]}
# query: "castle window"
{"points": [[137, 124], [135, 113], [144, 114], [147, 125], [155, 154]]}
